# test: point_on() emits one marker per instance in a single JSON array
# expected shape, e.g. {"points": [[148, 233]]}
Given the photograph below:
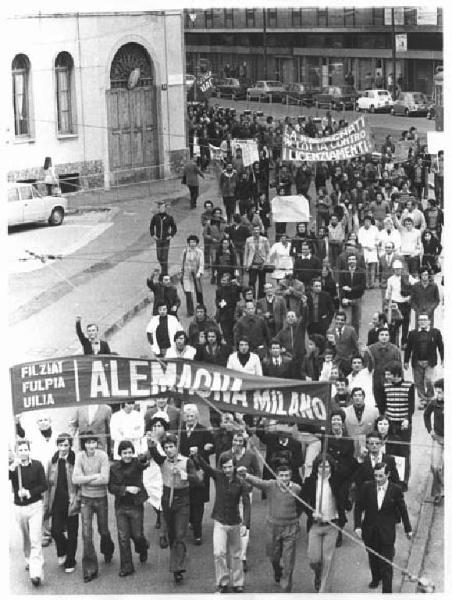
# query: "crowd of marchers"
{"points": [[287, 308]]}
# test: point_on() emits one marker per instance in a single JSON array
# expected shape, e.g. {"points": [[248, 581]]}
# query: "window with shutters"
{"points": [[272, 17], [21, 95], [296, 17], [64, 73], [229, 18]]}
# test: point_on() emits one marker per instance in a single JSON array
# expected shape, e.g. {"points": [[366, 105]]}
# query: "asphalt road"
{"points": [[381, 123], [154, 577]]}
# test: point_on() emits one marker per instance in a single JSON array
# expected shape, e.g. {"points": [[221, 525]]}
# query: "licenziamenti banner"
{"points": [[354, 140], [94, 379]]}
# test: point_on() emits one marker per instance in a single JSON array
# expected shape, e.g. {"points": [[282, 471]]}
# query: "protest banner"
{"points": [[290, 209], [216, 154], [204, 83], [353, 140], [96, 379], [250, 152]]}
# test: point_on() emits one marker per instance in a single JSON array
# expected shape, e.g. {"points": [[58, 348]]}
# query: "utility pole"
{"points": [[264, 40]]}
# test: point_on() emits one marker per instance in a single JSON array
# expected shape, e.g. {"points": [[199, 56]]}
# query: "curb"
{"points": [[133, 311], [420, 541]]}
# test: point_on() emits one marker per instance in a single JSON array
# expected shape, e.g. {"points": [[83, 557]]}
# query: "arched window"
{"points": [[131, 67], [64, 68], [21, 98]]}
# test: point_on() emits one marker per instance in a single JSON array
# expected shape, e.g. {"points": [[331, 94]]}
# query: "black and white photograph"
{"points": [[225, 296]]}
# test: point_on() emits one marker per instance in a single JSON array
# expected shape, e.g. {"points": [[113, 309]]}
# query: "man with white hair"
{"points": [[42, 447], [398, 291], [195, 441]]}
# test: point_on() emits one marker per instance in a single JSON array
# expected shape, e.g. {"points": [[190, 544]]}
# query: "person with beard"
{"points": [[226, 260], [200, 323], [63, 502], [321, 492]]}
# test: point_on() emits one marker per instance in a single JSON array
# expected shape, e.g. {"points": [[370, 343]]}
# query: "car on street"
{"points": [[27, 205], [230, 88], [266, 91], [300, 94], [375, 101], [336, 97], [411, 103]]}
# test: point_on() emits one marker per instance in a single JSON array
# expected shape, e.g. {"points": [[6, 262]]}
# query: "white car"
{"points": [[266, 90], [374, 101], [27, 205]]}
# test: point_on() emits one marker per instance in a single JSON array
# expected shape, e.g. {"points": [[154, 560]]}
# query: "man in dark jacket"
{"points": [[423, 346], [369, 457], [29, 483], [126, 484], [190, 178], [62, 502], [200, 324], [352, 285], [383, 505], [307, 266], [226, 298], [162, 229], [276, 365], [254, 328], [163, 291], [196, 440], [320, 307], [91, 344]]}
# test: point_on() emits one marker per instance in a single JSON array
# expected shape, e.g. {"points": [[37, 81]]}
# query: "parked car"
{"points": [[230, 88], [375, 101], [410, 103], [340, 97], [266, 90], [27, 205], [300, 94]]}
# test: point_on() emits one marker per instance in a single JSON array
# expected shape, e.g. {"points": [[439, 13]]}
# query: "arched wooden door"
{"points": [[132, 116]]}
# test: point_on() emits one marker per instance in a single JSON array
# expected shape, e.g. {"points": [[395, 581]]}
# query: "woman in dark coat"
{"points": [[301, 235], [328, 283]]}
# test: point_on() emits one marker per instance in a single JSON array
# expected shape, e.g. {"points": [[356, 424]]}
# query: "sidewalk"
{"points": [[111, 288]]}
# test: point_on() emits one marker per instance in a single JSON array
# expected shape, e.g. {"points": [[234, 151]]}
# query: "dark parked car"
{"points": [[339, 97], [300, 94], [230, 88], [411, 103]]}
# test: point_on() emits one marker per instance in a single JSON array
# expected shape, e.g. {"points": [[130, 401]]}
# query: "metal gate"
{"points": [[132, 134]]}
